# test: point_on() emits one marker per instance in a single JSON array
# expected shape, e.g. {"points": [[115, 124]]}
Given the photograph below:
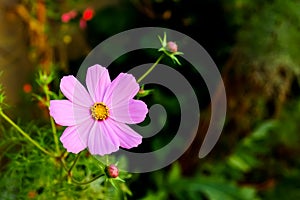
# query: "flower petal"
{"points": [[66, 113], [97, 80], [130, 112], [75, 91], [102, 139], [127, 136], [71, 140], [123, 88]]}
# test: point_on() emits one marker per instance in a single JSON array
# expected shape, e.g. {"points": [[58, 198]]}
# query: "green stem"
{"points": [[53, 127], [150, 69], [62, 160], [55, 135], [87, 182], [70, 174], [74, 162], [25, 134]]}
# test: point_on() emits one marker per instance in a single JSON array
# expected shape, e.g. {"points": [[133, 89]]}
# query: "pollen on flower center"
{"points": [[100, 111]]}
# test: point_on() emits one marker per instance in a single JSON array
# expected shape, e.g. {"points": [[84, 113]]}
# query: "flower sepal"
{"points": [[170, 49], [44, 78], [142, 92]]}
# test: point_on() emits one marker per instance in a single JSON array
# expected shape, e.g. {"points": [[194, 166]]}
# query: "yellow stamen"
{"points": [[100, 111]]}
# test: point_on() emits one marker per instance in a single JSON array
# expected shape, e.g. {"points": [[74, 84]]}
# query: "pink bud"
{"points": [[82, 24], [72, 14], [172, 47], [112, 171], [65, 17]]}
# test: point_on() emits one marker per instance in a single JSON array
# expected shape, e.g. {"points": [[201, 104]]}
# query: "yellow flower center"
{"points": [[100, 111]]}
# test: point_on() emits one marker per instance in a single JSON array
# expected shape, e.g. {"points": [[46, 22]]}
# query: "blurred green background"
{"points": [[255, 44]]}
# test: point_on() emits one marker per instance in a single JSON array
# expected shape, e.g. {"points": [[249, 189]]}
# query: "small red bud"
{"points": [[65, 18], [27, 88], [172, 47], [88, 14], [72, 14], [112, 171], [82, 24]]}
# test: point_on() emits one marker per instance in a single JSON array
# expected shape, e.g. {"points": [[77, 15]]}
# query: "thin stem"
{"points": [[62, 160], [74, 162], [87, 182], [55, 135], [150, 69], [53, 127], [70, 174], [107, 159], [64, 164], [25, 134]]}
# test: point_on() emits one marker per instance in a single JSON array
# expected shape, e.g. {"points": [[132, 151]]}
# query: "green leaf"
{"points": [[215, 189], [237, 162], [174, 174], [262, 131]]}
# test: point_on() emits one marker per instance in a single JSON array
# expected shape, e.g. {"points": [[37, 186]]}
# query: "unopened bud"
{"points": [[172, 47], [112, 171]]}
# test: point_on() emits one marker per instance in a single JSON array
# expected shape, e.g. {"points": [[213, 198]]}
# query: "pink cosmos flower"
{"points": [[97, 118]]}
